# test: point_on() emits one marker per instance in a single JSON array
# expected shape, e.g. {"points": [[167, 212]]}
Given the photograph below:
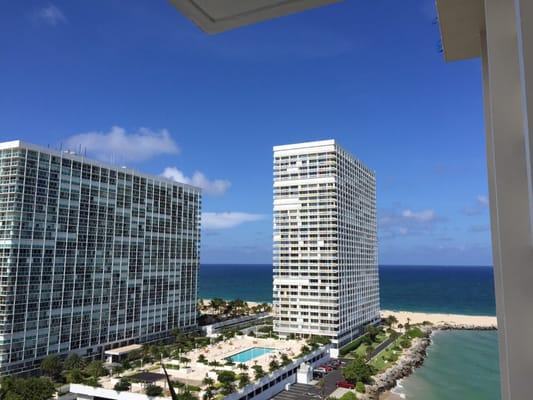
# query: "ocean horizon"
{"points": [[467, 290]]}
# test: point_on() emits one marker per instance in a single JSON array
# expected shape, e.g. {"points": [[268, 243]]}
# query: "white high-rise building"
{"points": [[92, 256], [325, 242]]}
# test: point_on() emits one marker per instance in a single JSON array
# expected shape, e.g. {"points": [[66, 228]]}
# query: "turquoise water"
{"points": [[249, 354], [459, 365]]}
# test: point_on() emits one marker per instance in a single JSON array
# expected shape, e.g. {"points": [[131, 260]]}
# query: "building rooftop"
{"points": [[71, 155]]}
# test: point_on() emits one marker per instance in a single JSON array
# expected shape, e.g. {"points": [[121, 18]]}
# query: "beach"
{"points": [[437, 319]]}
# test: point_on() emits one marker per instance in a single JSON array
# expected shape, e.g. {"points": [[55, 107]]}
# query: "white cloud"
{"points": [[51, 15], [216, 187], [482, 200], [420, 216], [403, 231], [478, 208], [225, 220], [118, 145]]}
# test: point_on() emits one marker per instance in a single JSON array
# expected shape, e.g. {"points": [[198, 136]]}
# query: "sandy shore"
{"points": [[441, 319], [250, 303], [390, 396]]}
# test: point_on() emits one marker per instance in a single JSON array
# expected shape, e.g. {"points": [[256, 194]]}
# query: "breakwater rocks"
{"points": [[464, 327], [411, 359]]}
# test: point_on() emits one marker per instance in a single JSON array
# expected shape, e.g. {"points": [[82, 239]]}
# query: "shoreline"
{"points": [[414, 357], [444, 321]]}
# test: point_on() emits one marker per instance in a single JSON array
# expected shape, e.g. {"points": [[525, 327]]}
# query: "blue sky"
{"points": [[136, 83]]}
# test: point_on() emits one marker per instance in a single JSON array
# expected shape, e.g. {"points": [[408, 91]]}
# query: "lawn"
{"points": [[388, 356]]}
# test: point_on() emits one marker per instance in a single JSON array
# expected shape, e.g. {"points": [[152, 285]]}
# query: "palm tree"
{"points": [[217, 304], [391, 320], [208, 381]]}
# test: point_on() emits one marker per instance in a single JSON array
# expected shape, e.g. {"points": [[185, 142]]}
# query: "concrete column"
{"points": [[524, 23], [506, 111]]}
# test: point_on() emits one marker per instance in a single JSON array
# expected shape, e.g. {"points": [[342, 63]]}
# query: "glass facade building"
{"points": [[92, 256], [325, 242]]}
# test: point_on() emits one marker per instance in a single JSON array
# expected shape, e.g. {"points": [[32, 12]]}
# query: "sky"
{"points": [[137, 84]]}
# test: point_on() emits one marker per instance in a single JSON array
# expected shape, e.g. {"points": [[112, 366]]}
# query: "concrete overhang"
{"points": [[213, 16], [461, 23]]}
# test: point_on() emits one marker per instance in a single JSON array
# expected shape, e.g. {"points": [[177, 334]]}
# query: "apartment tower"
{"points": [[92, 256], [325, 246]]}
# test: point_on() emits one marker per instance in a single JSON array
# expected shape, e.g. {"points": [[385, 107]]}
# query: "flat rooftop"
{"points": [[71, 155]]}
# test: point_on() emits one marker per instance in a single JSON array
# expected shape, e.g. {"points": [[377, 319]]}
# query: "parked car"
{"points": [[345, 384], [327, 368]]}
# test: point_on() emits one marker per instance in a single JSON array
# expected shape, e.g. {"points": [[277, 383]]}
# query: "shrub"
{"points": [[415, 333], [244, 380], [348, 396], [92, 381], [122, 385], [360, 387], [153, 390], [226, 377], [358, 370], [74, 375], [354, 345], [259, 372]]}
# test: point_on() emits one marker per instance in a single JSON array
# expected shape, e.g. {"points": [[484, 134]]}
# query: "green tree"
{"points": [[258, 371], [244, 380], [153, 390], [305, 349], [186, 361], [208, 381], [391, 320], [227, 379], [201, 359], [217, 305], [285, 360], [273, 365], [226, 376], [358, 371], [372, 332], [74, 361], [186, 395], [74, 375], [123, 385], [51, 366], [14, 388], [95, 369], [209, 393]]}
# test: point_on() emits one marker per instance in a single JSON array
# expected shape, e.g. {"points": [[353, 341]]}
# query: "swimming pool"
{"points": [[249, 354]]}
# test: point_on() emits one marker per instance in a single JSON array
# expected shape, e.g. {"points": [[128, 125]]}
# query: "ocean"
{"points": [[454, 290], [460, 364]]}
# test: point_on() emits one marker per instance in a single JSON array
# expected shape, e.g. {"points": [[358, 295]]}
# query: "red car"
{"points": [[345, 384], [327, 368]]}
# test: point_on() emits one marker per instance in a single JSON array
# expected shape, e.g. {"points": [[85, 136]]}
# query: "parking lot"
{"points": [[300, 391]]}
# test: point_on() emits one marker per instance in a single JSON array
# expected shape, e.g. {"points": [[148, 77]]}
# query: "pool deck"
{"points": [[221, 351]]}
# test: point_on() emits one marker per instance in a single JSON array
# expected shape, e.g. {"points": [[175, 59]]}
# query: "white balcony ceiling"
{"points": [[461, 22], [213, 16]]}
